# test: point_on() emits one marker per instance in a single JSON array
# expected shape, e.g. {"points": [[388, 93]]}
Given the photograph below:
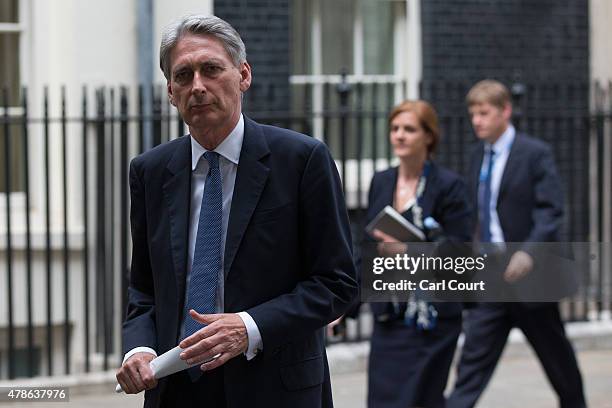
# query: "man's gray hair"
{"points": [[200, 25]]}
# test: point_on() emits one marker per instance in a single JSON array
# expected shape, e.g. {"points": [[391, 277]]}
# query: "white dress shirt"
{"points": [[229, 155], [502, 150]]}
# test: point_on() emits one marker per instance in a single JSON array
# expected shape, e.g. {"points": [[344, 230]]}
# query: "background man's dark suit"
{"points": [[530, 209], [530, 200], [287, 263]]}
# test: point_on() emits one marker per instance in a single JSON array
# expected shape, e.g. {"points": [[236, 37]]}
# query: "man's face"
{"points": [[490, 121], [205, 85]]}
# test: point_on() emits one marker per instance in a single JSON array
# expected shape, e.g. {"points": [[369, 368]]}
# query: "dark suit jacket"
{"points": [[530, 210], [288, 261], [444, 198], [530, 200]]}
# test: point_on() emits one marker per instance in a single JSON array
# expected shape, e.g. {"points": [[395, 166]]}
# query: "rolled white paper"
{"points": [[168, 363]]}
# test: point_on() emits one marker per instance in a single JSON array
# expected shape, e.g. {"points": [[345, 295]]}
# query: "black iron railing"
{"points": [[64, 224]]}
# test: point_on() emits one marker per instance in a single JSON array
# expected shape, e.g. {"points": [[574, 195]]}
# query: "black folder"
{"points": [[393, 223]]}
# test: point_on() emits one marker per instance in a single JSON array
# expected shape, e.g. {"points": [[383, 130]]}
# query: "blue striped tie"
{"points": [[207, 255], [485, 201]]}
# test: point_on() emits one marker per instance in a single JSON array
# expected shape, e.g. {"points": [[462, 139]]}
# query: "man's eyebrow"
{"points": [[179, 68], [213, 61]]}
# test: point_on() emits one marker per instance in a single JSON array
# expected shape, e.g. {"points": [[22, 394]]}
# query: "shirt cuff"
{"points": [[138, 350], [255, 343]]}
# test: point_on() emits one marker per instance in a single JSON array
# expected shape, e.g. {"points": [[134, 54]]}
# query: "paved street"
{"points": [[519, 382]]}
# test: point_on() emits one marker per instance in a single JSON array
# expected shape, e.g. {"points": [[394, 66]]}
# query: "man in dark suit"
{"points": [[514, 182], [241, 245]]}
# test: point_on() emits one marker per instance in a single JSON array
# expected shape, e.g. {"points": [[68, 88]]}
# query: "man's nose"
{"points": [[199, 85]]}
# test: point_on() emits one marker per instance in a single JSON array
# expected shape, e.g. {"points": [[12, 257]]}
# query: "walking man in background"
{"points": [[515, 186]]}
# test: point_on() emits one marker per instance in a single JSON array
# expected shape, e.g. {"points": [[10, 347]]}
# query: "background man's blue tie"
{"points": [[485, 202], [207, 255]]}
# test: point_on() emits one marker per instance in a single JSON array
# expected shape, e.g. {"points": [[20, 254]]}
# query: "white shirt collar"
{"points": [[504, 142], [229, 148]]}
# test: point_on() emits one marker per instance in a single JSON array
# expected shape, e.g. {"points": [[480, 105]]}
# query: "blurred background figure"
{"points": [[413, 342], [515, 185]]}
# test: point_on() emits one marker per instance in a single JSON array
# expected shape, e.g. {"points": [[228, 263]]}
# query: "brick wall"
{"points": [[541, 43], [527, 40], [545, 39], [264, 28]]}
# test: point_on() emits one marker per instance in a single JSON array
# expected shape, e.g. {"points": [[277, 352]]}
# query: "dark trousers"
{"points": [[207, 392], [486, 329], [409, 367]]}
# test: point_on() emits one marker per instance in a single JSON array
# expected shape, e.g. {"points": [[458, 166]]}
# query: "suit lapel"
{"points": [[511, 166], [251, 178], [388, 187], [474, 180], [177, 193]]}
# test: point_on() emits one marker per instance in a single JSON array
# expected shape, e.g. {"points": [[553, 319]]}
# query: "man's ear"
{"points": [[245, 76], [170, 97], [507, 111]]}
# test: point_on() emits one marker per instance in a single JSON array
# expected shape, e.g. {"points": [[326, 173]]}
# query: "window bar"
{"points": [[326, 112], [100, 227], [166, 106], [110, 271], [67, 347], [9, 244], [49, 327], [140, 144], [343, 89], [309, 118], [85, 230], [156, 118], [180, 128], [576, 233], [28, 237], [599, 126], [359, 153], [374, 120], [390, 90], [125, 226], [609, 136]]}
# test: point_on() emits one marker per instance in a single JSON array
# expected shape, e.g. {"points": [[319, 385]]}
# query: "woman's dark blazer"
{"points": [[445, 198]]}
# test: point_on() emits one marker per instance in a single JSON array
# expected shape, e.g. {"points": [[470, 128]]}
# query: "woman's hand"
{"points": [[387, 245]]}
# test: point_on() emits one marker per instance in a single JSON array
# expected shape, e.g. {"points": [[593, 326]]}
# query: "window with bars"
{"points": [[364, 39], [355, 36], [10, 141]]}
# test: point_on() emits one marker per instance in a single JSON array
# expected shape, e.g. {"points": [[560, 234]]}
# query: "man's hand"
{"points": [[332, 325], [225, 335], [521, 263], [135, 374], [388, 246]]}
